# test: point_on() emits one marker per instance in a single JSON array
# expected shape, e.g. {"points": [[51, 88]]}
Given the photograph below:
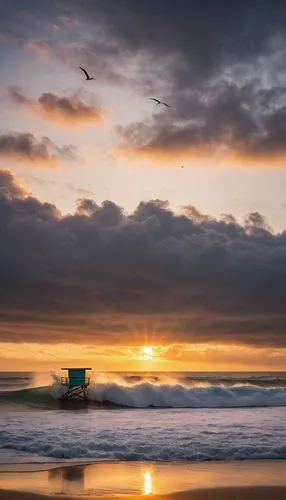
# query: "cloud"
{"points": [[222, 121], [67, 110], [185, 44], [203, 40], [102, 275], [24, 147], [10, 187], [222, 68]]}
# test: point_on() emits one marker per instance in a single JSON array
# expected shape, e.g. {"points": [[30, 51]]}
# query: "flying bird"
{"points": [[86, 74], [159, 102]]}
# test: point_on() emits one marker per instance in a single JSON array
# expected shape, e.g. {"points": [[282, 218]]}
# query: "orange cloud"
{"points": [[224, 124], [203, 154], [11, 187], [67, 110]]}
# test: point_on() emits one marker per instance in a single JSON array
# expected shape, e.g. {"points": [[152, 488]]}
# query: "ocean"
{"points": [[144, 417]]}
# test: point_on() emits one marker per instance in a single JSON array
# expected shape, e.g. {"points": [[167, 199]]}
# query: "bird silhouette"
{"points": [[86, 74], [159, 102]]}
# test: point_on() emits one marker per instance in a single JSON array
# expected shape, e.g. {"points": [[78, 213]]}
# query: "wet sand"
{"points": [[247, 480], [239, 493]]}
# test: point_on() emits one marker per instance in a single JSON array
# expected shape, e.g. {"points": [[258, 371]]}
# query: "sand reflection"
{"points": [[67, 480], [148, 484]]}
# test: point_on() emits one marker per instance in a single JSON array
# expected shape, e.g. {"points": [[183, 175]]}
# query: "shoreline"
{"points": [[20, 467], [106, 479]]}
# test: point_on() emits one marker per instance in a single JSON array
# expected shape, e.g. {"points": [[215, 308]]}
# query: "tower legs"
{"points": [[77, 392]]}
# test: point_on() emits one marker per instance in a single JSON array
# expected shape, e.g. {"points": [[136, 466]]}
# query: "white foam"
{"points": [[175, 395], [171, 434]]}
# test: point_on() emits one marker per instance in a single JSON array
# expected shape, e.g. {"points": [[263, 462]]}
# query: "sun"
{"points": [[147, 353]]}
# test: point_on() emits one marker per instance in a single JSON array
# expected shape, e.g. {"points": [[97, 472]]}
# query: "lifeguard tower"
{"points": [[75, 381]]}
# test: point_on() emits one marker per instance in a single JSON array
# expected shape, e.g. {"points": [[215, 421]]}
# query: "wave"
{"points": [[155, 392], [170, 434], [147, 395]]}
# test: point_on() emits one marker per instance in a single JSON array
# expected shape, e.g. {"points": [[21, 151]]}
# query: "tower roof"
{"points": [[76, 368]]}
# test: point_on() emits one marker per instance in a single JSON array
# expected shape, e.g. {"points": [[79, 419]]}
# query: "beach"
{"points": [[254, 493], [249, 480]]}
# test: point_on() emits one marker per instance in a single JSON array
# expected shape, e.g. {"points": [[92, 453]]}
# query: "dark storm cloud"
{"points": [[194, 41], [25, 147], [103, 275], [221, 65], [205, 33], [199, 37], [68, 110], [223, 69]]}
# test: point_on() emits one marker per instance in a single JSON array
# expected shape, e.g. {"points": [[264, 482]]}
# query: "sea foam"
{"points": [[134, 434]]}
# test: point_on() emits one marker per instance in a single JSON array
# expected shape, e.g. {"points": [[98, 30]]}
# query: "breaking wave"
{"points": [[147, 395], [157, 391], [202, 417]]}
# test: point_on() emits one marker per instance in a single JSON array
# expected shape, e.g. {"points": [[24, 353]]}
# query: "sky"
{"points": [[127, 224]]}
